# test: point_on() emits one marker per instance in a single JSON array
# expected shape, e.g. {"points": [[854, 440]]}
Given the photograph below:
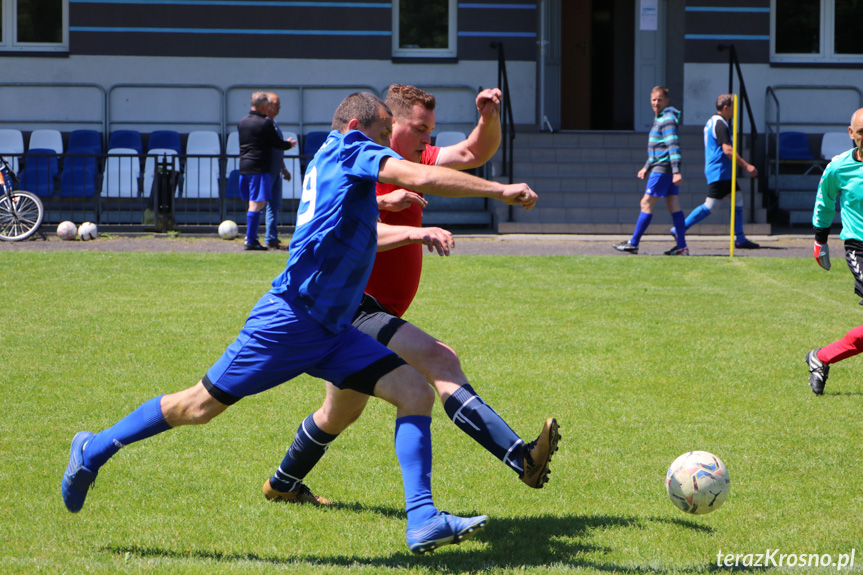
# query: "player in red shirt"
{"points": [[390, 291]]}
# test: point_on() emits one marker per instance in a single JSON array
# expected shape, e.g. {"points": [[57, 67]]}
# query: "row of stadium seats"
{"points": [[124, 173], [796, 146], [127, 172]]}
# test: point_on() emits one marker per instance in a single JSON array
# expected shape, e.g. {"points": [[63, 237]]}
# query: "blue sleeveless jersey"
{"points": [[335, 240], [717, 166]]}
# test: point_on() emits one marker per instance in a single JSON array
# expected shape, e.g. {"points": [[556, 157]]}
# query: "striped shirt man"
{"points": [[663, 145]]}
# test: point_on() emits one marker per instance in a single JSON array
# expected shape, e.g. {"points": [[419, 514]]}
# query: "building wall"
{"points": [[200, 105], [317, 29], [274, 43], [746, 25], [805, 110]]}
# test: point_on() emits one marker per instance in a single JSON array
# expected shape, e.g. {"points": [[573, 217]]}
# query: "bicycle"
{"points": [[21, 212]]}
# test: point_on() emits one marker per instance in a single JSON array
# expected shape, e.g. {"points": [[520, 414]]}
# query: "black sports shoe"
{"points": [[626, 247], [255, 247], [746, 245], [818, 372], [676, 251]]}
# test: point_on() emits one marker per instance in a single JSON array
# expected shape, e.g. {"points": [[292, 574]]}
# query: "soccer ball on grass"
{"points": [[67, 230], [88, 231], [228, 230], [698, 482]]}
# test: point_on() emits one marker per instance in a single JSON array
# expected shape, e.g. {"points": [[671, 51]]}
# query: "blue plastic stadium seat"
{"points": [[80, 158], [126, 139], [794, 146], [78, 179], [89, 140], [168, 139], [233, 184], [40, 168], [77, 183], [313, 141]]}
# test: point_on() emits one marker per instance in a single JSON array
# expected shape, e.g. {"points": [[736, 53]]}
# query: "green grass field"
{"points": [[640, 359]]}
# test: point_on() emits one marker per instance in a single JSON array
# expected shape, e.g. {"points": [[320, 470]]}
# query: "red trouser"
{"points": [[848, 346]]}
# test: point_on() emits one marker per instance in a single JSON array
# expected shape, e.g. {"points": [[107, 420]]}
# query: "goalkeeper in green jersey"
{"points": [[843, 179]]}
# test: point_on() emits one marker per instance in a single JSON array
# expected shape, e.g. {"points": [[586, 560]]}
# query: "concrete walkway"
{"points": [[510, 244]]}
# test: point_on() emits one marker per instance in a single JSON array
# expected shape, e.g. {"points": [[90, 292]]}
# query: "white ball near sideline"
{"points": [[228, 230], [67, 230], [88, 231]]}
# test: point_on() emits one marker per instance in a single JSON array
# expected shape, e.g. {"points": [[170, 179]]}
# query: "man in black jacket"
{"points": [[258, 137]]}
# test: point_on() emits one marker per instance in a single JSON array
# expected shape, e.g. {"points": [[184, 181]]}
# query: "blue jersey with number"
{"points": [[335, 240], [717, 166]]}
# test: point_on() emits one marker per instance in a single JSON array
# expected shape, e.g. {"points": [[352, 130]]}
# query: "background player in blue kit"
{"points": [[303, 324], [718, 153], [258, 137], [662, 170]]}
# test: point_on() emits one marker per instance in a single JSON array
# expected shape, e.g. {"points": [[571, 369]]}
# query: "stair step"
{"points": [[617, 229]]}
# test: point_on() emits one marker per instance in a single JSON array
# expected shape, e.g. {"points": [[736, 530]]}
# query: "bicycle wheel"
{"points": [[20, 217]]}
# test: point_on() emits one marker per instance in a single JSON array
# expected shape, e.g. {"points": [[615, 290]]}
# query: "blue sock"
{"points": [[144, 422], [697, 215], [640, 227], [738, 224], [471, 414], [414, 452], [680, 228], [252, 221], [306, 450]]}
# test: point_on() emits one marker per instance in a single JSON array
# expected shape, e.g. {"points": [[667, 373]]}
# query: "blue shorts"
{"points": [[279, 342], [256, 187], [660, 185]]}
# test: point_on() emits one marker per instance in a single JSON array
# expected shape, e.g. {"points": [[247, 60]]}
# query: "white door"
{"points": [[649, 57]]}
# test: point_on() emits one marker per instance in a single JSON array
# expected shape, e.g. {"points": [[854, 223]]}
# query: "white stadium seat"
{"points": [[202, 174], [12, 142], [46, 139], [121, 174]]}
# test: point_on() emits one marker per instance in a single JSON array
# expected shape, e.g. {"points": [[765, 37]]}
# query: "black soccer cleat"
{"points": [[746, 245], [676, 251], [818, 372]]}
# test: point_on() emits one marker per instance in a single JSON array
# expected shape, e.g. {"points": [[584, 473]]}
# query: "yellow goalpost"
{"points": [[733, 175]]}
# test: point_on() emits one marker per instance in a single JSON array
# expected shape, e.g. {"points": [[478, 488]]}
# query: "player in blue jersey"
{"points": [[662, 170], [391, 289], [718, 153], [303, 324]]}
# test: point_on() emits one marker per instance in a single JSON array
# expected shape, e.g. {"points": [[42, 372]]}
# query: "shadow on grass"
{"points": [[515, 542]]}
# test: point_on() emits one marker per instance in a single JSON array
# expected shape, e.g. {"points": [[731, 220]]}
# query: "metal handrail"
{"points": [[219, 90], [103, 121], [507, 125], [734, 66], [773, 129], [301, 90]]}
